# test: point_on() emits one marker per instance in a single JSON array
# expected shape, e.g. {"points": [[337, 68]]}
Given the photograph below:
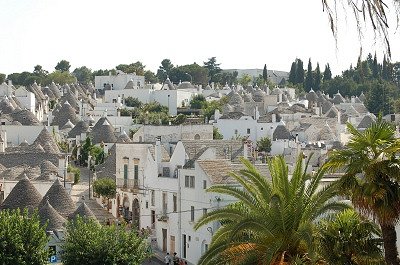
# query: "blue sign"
{"points": [[53, 259]]}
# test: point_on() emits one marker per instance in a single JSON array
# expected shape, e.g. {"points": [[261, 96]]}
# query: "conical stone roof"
{"points": [[124, 138], [83, 211], [46, 167], [105, 134], [53, 87], [44, 138], [23, 195], [59, 199], [65, 114], [54, 220], [80, 127]]}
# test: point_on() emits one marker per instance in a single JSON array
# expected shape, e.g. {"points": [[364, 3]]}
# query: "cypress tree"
{"points": [[385, 69], [327, 72], [299, 72], [375, 68], [265, 73], [292, 73], [317, 78], [309, 77]]}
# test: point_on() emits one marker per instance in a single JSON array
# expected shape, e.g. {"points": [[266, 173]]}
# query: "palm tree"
{"points": [[349, 239], [272, 222], [372, 177]]}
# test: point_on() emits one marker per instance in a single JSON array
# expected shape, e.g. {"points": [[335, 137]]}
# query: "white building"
{"points": [[118, 82]]}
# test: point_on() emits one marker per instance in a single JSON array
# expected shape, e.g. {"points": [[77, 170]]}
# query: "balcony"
{"points": [[128, 184]]}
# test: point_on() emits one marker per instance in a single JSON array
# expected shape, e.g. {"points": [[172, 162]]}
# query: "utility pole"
{"points": [[89, 159]]}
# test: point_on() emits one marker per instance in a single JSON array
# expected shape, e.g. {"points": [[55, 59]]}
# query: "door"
{"points": [[164, 240], [184, 246], [153, 219], [172, 244]]}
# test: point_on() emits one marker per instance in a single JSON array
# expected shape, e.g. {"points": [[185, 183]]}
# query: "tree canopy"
{"points": [[63, 66], [88, 242], [22, 238]]}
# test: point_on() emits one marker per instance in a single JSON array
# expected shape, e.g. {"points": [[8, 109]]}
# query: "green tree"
{"points": [[150, 77], [386, 72], [88, 242], [371, 177], [317, 78], [213, 68], [105, 187], [271, 220], [63, 66], [22, 238], [216, 134], [179, 119], [350, 239], [165, 69], [210, 108], [2, 78], [245, 80], [60, 77], [133, 102], [190, 72], [264, 145], [198, 102], [375, 68], [39, 71], [327, 73], [83, 74], [308, 83], [292, 73], [299, 71], [379, 97], [265, 73], [137, 68]]}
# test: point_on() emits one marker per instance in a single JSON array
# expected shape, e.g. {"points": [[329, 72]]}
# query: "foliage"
{"points": [[317, 77], [308, 83], [164, 70], [187, 72], [245, 80], [126, 112], [264, 145], [105, 187], [265, 73], [210, 108], [83, 74], [350, 239], [96, 152], [133, 102], [154, 107], [22, 238], [213, 68], [372, 10], [76, 171], [226, 77], [372, 177], [296, 74], [270, 220], [150, 77], [198, 102], [179, 119], [2, 78], [327, 73], [59, 77], [88, 242], [63, 66], [137, 68], [216, 134]]}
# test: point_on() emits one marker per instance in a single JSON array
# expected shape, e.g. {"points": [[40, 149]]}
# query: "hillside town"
{"points": [[161, 170]]}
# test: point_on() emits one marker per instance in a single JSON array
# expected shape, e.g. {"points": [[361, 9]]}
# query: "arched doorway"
{"points": [[197, 137], [135, 214], [125, 209]]}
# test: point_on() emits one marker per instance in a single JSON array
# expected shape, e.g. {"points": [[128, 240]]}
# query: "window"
{"points": [[262, 129], [204, 211], [204, 184], [125, 171], [236, 131], [206, 247], [175, 200], [189, 181], [192, 213], [136, 174], [153, 198], [248, 131], [166, 172], [147, 204], [165, 203]]}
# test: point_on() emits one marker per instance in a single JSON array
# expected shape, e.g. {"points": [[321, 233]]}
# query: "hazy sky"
{"points": [[241, 34]]}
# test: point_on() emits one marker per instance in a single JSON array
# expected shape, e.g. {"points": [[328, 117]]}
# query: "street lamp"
{"points": [[191, 78], [168, 103]]}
